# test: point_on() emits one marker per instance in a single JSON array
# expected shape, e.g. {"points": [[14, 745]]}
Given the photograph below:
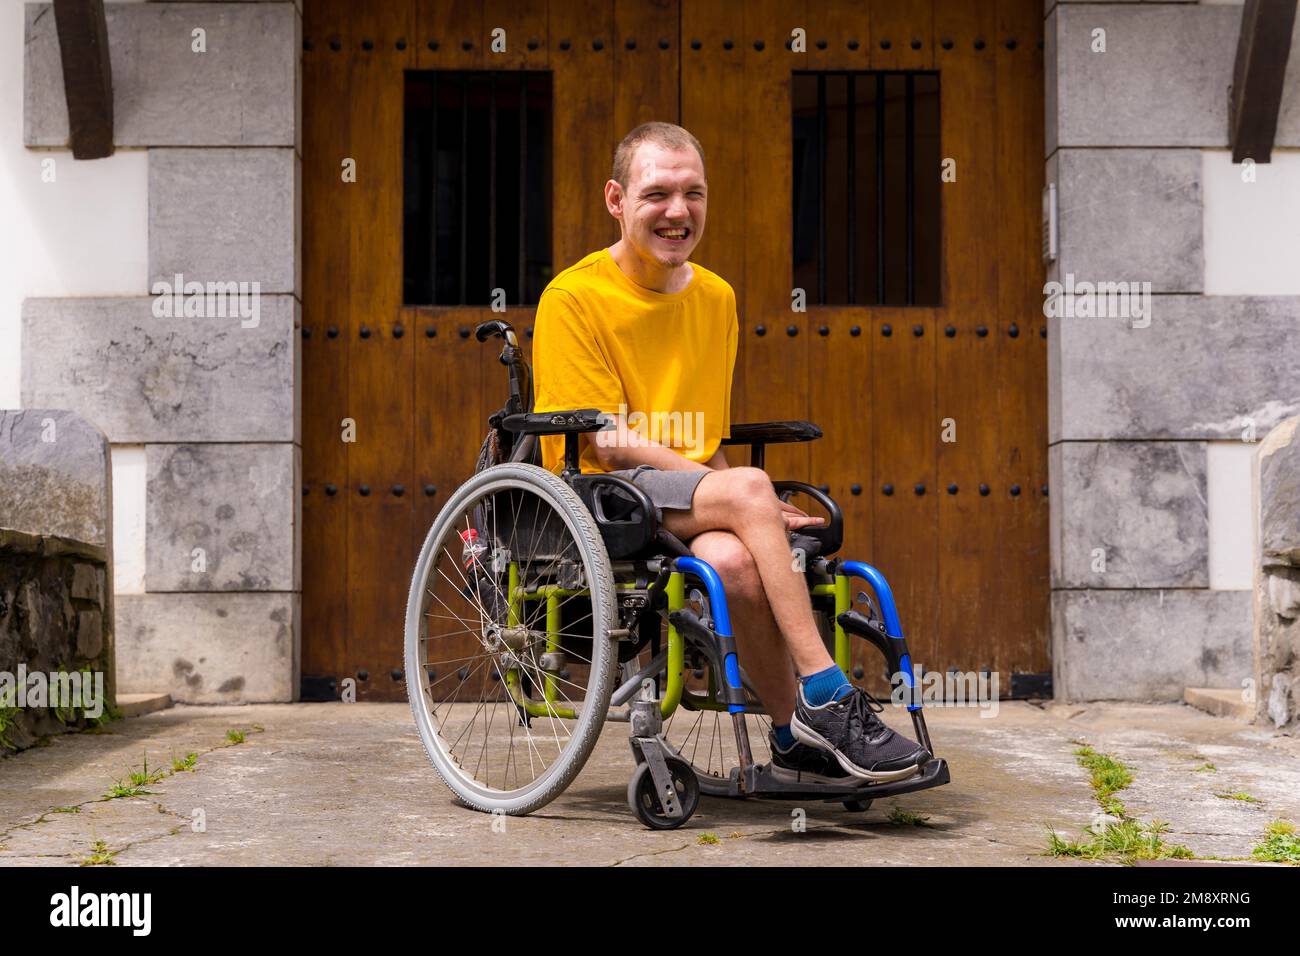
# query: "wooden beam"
{"points": [[1258, 76], [87, 76]]}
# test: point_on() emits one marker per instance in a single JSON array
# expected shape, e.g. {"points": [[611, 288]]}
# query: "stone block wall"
{"points": [[208, 384], [1277, 577], [1136, 94], [56, 596]]}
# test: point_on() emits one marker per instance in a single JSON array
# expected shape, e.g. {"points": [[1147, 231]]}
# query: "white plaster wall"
{"points": [[1228, 490], [84, 234], [1252, 230], [128, 519]]}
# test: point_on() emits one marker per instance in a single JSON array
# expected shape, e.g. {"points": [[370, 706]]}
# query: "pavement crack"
{"points": [[142, 841], [43, 818], [636, 856]]}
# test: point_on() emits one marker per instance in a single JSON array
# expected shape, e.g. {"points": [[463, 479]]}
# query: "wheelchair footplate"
{"points": [[760, 783]]}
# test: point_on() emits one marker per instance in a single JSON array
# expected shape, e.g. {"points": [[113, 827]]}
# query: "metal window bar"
{"points": [[436, 189], [851, 227], [492, 181], [523, 188], [449, 207], [464, 153], [880, 83], [910, 140], [821, 187], [880, 188]]}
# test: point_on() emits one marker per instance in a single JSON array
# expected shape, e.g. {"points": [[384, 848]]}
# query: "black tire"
{"points": [[580, 538], [645, 802]]}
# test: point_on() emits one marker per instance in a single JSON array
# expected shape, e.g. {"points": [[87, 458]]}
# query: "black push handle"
{"points": [[486, 330]]}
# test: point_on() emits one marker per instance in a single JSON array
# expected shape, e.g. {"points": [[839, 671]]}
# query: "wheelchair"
{"points": [[544, 605]]}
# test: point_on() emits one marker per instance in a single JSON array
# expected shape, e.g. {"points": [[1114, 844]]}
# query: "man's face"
{"points": [[663, 208]]}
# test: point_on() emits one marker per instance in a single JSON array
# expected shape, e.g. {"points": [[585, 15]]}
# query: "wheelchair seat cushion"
{"points": [[666, 489]]}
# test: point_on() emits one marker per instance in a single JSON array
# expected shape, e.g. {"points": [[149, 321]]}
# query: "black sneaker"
{"points": [[804, 764], [849, 730]]}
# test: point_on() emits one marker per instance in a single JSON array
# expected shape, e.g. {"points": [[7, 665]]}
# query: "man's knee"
{"points": [[748, 492], [728, 556]]}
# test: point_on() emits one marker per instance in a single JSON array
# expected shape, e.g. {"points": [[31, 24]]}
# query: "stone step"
{"points": [[137, 705], [1221, 702]]}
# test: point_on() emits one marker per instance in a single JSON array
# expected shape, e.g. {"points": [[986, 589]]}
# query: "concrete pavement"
{"points": [[349, 784]]}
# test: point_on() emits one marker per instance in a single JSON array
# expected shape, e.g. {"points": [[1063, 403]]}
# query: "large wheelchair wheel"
{"points": [[509, 656]]}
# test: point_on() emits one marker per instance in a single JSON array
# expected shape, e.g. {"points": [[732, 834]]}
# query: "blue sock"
{"points": [[784, 739], [825, 686]]}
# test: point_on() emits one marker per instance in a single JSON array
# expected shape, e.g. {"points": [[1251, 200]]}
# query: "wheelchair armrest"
{"points": [[758, 435], [573, 422], [831, 537], [772, 433]]}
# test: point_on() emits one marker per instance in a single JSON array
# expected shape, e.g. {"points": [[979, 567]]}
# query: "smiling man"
{"points": [[641, 333]]}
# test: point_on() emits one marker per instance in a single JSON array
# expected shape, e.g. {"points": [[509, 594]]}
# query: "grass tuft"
{"points": [[900, 817], [1281, 844], [181, 764], [1243, 797], [100, 855], [1122, 838]]}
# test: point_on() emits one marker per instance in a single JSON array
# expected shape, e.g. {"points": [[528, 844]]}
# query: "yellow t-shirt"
{"points": [[663, 360]]}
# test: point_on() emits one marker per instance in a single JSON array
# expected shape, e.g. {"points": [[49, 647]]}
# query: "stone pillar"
{"points": [[56, 575], [1136, 403], [208, 383], [1277, 577]]}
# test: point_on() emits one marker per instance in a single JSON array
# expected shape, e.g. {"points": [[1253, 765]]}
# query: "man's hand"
{"points": [[796, 519]]}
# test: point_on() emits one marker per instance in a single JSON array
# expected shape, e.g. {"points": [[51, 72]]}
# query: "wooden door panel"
{"points": [[775, 364], [582, 80], [646, 81], [969, 571], [326, 275], [1023, 370], [380, 362], [969, 606], [832, 29], [452, 35], [712, 94], [526, 25], [907, 26], [905, 546]]}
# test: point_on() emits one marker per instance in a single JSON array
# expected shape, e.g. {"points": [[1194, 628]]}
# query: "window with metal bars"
{"points": [[477, 187], [866, 187]]}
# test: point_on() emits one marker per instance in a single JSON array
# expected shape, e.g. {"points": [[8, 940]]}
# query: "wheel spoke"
{"points": [[465, 643]]}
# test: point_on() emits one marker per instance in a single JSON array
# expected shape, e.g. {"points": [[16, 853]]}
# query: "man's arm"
{"points": [[621, 448]]}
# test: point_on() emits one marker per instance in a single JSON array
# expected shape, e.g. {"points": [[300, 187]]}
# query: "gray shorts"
{"points": [[665, 489]]}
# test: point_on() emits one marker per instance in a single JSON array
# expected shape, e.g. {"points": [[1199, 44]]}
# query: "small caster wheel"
{"points": [[645, 802], [857, 806]]}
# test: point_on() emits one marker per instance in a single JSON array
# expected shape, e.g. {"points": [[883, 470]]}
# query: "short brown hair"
{"points": [[667, 135]]}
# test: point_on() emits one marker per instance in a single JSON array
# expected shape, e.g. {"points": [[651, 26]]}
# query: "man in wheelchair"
{"points": [[649, 338]]}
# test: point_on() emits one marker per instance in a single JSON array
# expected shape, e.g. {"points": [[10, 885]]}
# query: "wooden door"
{"points": [[970, 571], [959, 527], [412, 380]]}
